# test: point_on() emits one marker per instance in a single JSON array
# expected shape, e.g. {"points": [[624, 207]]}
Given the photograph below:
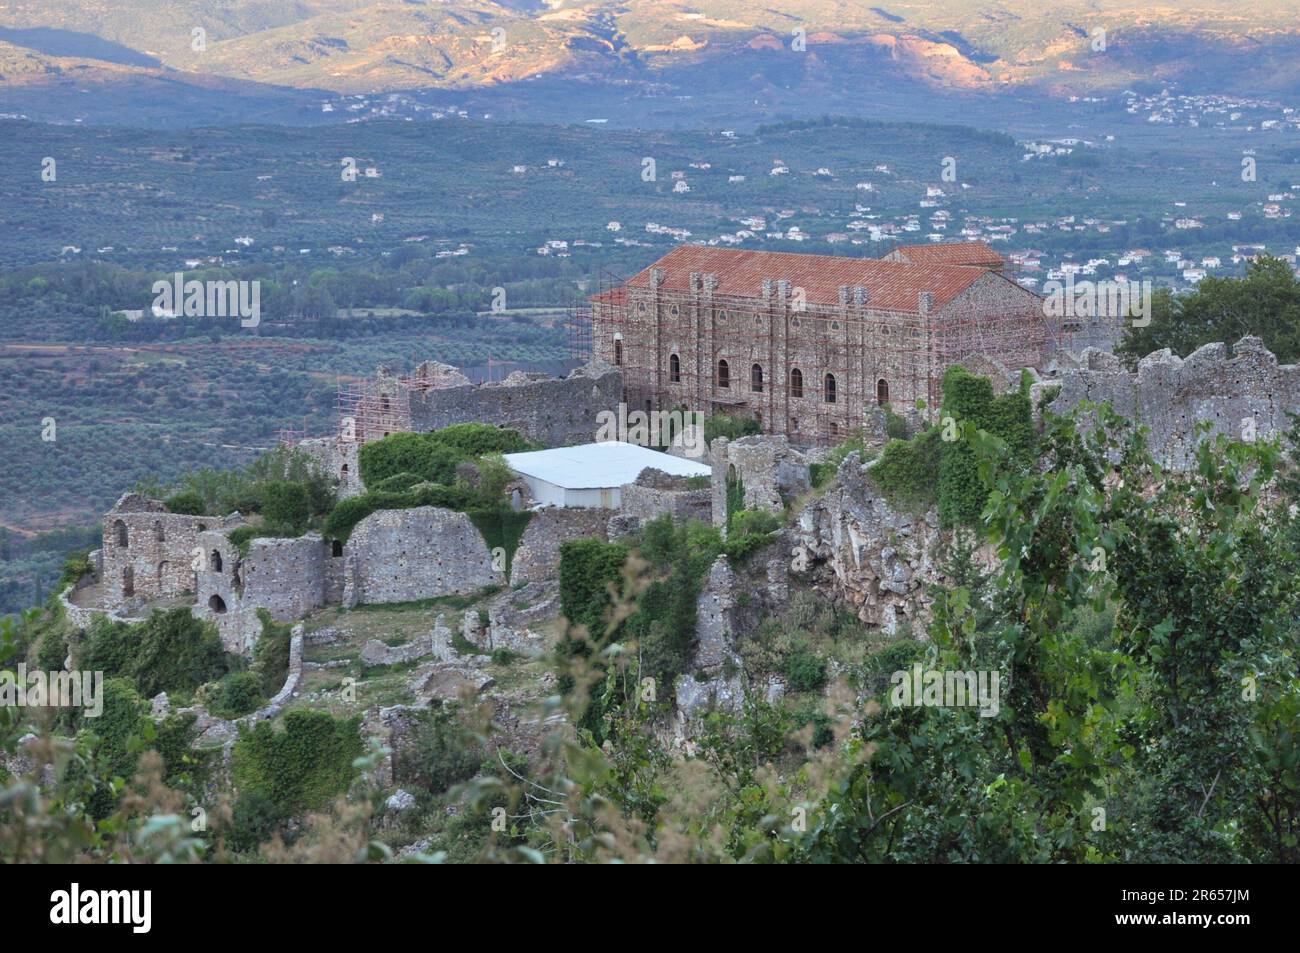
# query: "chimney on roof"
{"points": [[695, 281], [710, 282], [656, 278], [861, 296], [924, 301], [844, 295], [767, 288], [783, 289]]}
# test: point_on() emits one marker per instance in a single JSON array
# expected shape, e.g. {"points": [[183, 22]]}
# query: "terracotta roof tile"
{"points": [[892, 286], [951, 253]]}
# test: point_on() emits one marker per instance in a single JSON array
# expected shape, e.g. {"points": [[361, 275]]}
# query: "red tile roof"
{"points": [[892, 286], [951, 253]]}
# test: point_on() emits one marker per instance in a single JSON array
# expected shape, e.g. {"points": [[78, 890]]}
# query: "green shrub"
{"points": [[302, 767], [286, 505], [896, 426], [271, 654], [477, 440], [255, 820], [238, 694], [187, 503], [398, 482], [731, 426], [170, 651], [587, 568], [443, 752], [805, 672], [908, 470]]}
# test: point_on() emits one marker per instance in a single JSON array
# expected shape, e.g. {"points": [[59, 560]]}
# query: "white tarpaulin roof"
{"points": [[599, 465]]}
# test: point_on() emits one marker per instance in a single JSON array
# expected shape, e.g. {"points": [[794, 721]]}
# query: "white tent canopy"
{"points": [[591, 474]]}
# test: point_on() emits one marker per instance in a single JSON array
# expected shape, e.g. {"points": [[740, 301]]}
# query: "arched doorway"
{"points": [[882, 392]]}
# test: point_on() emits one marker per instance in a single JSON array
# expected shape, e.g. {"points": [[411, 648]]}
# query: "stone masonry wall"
{"points": [[550, 411], [1246, 391], [538, 556], [149, 553], [420, 553], [772, 473]]}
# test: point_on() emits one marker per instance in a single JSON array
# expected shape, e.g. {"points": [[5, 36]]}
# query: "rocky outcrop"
{"points": [[861, 550]]}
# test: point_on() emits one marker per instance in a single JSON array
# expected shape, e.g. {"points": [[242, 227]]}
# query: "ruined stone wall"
{"points": [[419, 553], [1247, 392], [286, 577], [547, 410], [538, 555], [655, 493], [337, 457], [771, 470], [149, 553]]}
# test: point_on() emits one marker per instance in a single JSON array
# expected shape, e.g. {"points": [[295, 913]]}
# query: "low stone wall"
{"points": [[655, 493], [419, 553]]}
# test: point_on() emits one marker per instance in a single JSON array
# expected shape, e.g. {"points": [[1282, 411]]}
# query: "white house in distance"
{"points": [[593, 474]]}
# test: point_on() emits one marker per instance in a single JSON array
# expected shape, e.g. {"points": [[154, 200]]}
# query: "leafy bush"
{"points": [[302, 767], [170, 651], [398, 482], [238, 694], [186, 502], [477, 440], [587, 568], [443, 752], [731, 426], [271, 654], [286, 505], [805, 672], [418, 453]]}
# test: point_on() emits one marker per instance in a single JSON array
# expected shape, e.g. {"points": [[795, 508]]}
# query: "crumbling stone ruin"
{"points": [[150, 554], [1244, 394], [655, 493], [772, 472]]}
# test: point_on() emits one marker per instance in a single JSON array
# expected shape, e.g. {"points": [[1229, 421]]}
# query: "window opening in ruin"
{"points": [[217, 604], [830, 388], [618, 353], [796, 382], [128, 581], [120, 528], [214, 561], [158, 533], [724, 374], [674, 369], [337, 548], [756, 379], [882, 392]]}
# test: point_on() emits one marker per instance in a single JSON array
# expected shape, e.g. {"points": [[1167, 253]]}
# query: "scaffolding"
{"points": [[374, 408], [816, 373]]}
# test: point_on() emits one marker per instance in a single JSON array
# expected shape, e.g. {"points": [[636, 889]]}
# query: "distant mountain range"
{"points": [[268, 49]]}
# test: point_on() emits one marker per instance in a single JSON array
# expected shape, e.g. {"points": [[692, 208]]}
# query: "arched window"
{"points": [[618, 352], [674, 369], [724, 374], [830, 388], [128, 581], [217, 604], [120, 529], [214, 561], [756, 379], [158, 533], [343, 472], [882, 392], [796, 382]]}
